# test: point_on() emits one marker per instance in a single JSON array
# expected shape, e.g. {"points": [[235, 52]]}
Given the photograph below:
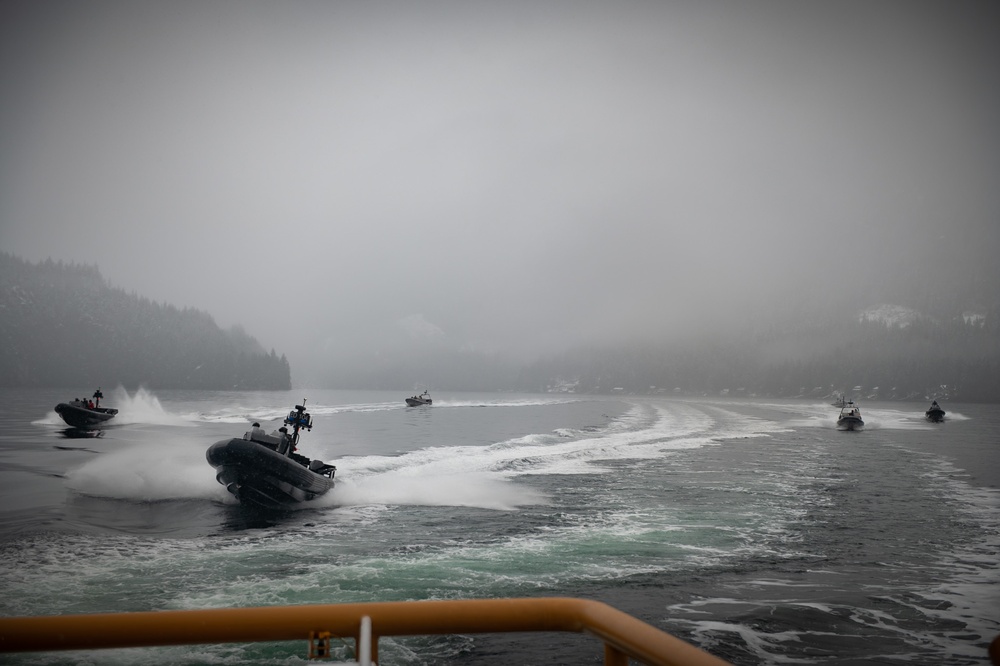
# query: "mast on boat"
{"points": [[299, 419]]}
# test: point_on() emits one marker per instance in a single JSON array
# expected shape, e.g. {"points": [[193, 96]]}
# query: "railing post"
{"points": [[365, 642], [613, 656]]}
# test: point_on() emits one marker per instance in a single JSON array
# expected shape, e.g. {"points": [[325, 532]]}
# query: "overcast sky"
{"points": [[501, 175]]}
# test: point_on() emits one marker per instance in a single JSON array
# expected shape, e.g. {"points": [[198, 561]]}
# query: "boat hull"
{"points": [[935, 415], [259, 476], [415, 402], [850, 423], [83, 417]]}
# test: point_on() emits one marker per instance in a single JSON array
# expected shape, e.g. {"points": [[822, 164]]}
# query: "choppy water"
{"points": [[754, 529]]}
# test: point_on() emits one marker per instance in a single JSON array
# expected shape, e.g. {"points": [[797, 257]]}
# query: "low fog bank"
{"points": [[869, 356], [923, 320], [938, 335]]}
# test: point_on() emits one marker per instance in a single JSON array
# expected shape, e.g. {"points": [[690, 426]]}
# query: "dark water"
{"points": [[753, 529]]}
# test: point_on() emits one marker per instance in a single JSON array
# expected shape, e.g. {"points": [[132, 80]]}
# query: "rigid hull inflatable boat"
{"points": [[264, 470]]}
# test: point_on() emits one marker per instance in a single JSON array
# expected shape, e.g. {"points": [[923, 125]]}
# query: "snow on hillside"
{"points": [[890, 315]]}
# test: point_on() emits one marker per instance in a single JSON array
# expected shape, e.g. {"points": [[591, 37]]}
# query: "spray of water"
{"points": [[141, 407], [149, 473]]}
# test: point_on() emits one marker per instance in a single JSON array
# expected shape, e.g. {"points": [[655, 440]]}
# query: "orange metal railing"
{"points": [[624, 636]]}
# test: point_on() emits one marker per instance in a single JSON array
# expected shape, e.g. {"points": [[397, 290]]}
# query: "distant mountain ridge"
{"points": [[63, 325], [885, 352]]}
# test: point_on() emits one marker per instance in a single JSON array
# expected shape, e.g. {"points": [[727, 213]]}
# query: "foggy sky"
{"points": [[511, 176]]}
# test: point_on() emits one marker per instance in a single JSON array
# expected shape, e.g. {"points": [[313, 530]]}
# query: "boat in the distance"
{"points": [[85, 414], [417, 400], [850, 417], [934, 413], [263, 470]]}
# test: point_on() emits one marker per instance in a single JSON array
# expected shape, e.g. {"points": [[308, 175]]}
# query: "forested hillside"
{"points": [[63, 325]]}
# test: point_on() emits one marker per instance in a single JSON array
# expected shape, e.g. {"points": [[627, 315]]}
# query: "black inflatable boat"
{"points": [[264, 470], [85, 414]]}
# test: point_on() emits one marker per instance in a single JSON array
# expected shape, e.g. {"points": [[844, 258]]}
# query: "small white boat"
{"points": [[850, 417]]}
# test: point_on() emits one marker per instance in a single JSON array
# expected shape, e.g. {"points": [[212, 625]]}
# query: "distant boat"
{"points": [[840, 401], [417, 400], [264, 471], [934, 413], [850, 417], [85, 413]]}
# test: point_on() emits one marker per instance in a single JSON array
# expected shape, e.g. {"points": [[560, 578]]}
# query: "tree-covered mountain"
{"points": [[63, 325]]}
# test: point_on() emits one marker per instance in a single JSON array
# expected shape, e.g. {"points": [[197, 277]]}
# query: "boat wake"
{"points": [[932, 608], [479, 490], [242, 414], [496, 476], [261, 413], [512, 402]]}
